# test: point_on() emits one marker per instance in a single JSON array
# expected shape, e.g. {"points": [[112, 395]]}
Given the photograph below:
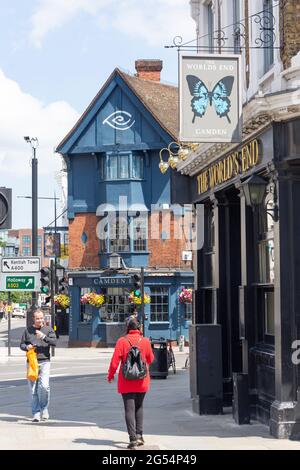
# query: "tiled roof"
{"points": [[160, 99]]}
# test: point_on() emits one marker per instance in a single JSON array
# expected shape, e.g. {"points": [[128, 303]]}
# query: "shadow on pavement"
{"points": [[88, 400], [97, 442]]}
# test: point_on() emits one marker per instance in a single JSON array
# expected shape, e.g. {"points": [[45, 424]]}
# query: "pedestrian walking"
{"points": [[5, 306], [133, 390], [1, 311], [40, 337]]}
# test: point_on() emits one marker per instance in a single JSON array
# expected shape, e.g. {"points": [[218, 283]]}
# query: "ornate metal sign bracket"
{"points": [[260, 27]]}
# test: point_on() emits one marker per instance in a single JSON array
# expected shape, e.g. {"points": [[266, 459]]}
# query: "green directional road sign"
{"points": [[20, 282]]}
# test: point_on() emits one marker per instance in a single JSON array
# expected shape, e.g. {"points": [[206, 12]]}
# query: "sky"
{"points": [[54, 57]]}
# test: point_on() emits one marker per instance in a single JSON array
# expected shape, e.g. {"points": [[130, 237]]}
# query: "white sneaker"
{"points": [[36, 418], [45, 415]]}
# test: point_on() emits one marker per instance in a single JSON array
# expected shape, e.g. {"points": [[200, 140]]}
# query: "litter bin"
{"points": [[159, 367]]}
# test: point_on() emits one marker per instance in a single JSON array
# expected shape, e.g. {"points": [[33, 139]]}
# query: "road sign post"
{"points": [[52, 284], [9, 313]]}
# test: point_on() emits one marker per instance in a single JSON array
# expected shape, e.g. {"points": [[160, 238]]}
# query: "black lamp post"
{"points": [[255, 190], [33, 141]]}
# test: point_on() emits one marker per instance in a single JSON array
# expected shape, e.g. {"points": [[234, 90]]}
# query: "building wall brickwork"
{"points": [[289, 30], [83, 253], [166, 245]]}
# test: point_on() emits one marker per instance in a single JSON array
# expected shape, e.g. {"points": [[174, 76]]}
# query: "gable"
{"points": [[116, 117]]}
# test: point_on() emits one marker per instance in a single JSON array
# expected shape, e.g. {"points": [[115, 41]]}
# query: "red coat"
{"points": [[120, 354]]}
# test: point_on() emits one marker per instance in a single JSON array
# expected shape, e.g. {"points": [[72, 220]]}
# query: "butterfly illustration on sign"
{"points": [[218, 97]]}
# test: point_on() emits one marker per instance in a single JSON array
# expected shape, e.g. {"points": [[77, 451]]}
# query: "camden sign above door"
{"points": [[210, 98]]}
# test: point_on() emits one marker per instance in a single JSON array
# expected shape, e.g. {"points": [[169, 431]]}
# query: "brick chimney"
{"points": [[149, 69]]}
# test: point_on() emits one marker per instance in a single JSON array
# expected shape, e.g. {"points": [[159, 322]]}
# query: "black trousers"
{"points": [[133, 404]]}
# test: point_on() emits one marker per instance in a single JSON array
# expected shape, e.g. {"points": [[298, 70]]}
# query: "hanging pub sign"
{"points": [[52, 245], [210, 98]]}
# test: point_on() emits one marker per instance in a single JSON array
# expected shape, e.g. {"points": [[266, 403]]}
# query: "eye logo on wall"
{"points": [[120, 120]]}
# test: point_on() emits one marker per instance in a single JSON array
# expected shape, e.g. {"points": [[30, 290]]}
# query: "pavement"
{"points": [[87, 413]]}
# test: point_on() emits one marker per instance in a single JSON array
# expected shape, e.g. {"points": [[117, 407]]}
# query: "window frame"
{"points": [[26, 240], [115, 244], [188, 316], [127, 306], [105, 246], [269, 56], [152, 304], [132, 166], [134, 241]]}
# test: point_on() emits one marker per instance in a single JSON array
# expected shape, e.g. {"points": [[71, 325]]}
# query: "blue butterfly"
{"points": [[217, 97]]}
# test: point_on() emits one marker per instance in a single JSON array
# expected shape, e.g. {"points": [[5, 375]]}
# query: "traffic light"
{"points": [[45, 280], [137, 284], [62, 286]]}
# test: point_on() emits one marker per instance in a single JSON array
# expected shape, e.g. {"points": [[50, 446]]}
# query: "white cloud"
{"points": [[23, 114], [53, 14], [154, 21], [26, 115]]}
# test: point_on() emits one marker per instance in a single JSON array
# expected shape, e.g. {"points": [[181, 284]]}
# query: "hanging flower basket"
{"points": [[186, 296], [137, 299], [62, 301], [92, 299]]}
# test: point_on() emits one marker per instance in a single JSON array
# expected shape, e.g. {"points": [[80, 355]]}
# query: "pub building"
{"points": [[247, 273], [120, 214]]}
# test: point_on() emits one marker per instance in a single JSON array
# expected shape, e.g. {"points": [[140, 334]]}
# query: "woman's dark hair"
{"points": [[133, 324]]}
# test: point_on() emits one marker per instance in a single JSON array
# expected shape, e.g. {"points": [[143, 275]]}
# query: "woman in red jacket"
{"points": [[133, 391]]}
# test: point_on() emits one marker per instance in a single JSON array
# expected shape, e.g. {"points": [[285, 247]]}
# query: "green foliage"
{"points": [[16, 297]]}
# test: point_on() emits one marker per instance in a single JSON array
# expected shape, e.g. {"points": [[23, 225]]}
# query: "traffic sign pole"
{"points": [[9, 326], [52, 284], [143, 303]]}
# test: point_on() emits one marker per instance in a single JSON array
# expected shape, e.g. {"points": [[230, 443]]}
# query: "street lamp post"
{"points": [[33, 141]]}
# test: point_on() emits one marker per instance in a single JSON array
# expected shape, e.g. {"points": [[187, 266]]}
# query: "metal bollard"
{"points": [[181, 343]]}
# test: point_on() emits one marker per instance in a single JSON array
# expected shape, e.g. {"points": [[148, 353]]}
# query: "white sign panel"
{"points": [[21, 265], [210, 98]]}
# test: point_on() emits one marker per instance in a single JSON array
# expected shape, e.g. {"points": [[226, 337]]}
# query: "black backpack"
{"points": [[134, 367]]}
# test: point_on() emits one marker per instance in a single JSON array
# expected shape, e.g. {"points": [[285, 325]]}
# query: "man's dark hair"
{"points": [[133, 324]]}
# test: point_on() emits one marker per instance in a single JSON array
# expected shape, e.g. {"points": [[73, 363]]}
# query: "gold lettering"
{"points": [[245, 165], [225, 170], [205, 176], [236, 165], [220, 172], [229, 167], [199, 183], [255, 151], [212, 177]]}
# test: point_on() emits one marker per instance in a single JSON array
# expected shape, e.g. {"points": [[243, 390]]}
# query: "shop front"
{"points": [[101, 324], [248, 269]]}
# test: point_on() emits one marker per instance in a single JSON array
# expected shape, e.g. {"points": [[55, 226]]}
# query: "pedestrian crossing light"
{"points": [[137, 285], [62, 286], [45, 280]]}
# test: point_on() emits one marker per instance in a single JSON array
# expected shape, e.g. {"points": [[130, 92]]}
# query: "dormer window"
{"points": [[121, 166]]}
